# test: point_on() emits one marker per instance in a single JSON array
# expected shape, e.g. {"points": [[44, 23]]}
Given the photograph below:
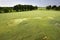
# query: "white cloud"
{"points": [[7, 2]]}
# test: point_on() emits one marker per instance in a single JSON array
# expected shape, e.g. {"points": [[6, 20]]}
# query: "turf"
{"points": [[30, 25]]}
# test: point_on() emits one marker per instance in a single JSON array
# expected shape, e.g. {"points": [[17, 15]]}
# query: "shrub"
{"points": [[54, 7], [58, 8], [5, 10], [48, 7]]}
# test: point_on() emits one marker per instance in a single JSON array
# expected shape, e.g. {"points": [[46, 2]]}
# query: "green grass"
{"points": [[36, 25]]}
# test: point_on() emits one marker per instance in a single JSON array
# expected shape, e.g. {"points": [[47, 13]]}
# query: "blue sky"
{"points": [[41, 3]]}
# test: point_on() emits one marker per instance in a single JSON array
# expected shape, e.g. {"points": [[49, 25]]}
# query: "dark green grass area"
{"points": [[32, 29]]}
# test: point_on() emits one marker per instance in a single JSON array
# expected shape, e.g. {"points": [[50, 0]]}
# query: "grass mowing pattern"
{"points": [[38, 24]]}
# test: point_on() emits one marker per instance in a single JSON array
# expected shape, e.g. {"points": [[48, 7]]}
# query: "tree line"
{"points": [[18, 8], [54, 7]]}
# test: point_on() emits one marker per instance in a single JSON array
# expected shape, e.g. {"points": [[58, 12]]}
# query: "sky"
{"points": [[41, 3]]}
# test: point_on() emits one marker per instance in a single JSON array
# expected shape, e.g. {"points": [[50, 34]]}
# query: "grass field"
{"points": [[30, 25]]}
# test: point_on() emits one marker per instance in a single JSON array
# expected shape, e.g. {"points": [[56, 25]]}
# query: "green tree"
{"points": [[54, 7], [58, 8], [5, 10], [48, 7]]}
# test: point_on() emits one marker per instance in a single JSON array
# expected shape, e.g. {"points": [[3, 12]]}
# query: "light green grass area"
{"points": [[30, 25]]}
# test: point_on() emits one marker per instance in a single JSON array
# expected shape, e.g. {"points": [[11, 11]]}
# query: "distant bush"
{"points": [[24, 7], [0, 11], [54, 7], [18, 8], [48, 7], [5, 10], [58, 8]]}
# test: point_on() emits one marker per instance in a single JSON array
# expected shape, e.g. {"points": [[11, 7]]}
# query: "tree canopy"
{"points": [[54, 7], [17, 8]]}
